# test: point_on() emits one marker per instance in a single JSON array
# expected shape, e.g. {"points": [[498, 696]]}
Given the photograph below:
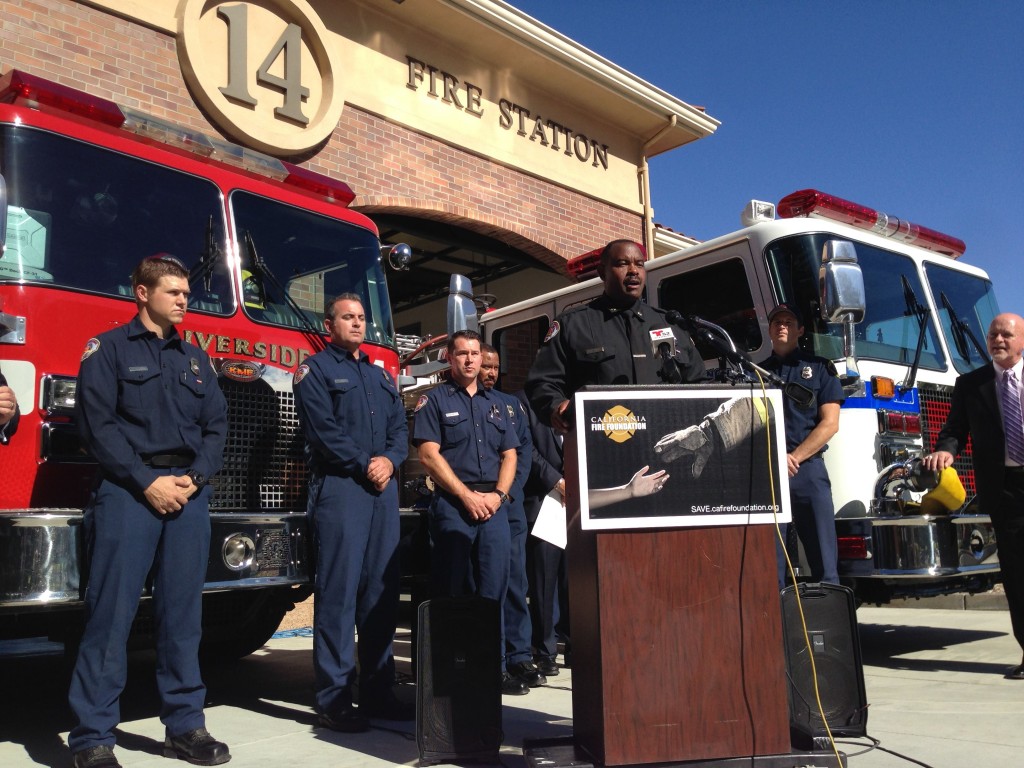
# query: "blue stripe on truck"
{"points": [[906, 402]]}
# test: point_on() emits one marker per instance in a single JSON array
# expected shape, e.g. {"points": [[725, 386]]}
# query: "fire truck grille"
{"points": [[264, 468], [935, 402]]}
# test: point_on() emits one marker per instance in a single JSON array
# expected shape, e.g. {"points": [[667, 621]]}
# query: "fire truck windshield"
{"points": [[81, 217], [890, 329], [294, 261], [968, 300]]}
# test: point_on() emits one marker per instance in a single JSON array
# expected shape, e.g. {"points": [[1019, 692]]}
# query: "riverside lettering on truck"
{"points": [[891, 304], [89, 188]]}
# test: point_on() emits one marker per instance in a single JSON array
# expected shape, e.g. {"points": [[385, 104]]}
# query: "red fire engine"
{"points": [[89, 188]]}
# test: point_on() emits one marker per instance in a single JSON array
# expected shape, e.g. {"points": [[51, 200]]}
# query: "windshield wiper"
{"points": [[259, 268], [208, 257], [915, 308], [959, 329]]}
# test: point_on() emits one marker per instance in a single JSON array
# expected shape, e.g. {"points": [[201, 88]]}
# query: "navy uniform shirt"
{"points": [[819, 376], [7, 430], [591, 345], [350, 412], [524, 453], [140, 395], [473, 432]]}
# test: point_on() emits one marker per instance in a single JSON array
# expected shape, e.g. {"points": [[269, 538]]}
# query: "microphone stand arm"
{"points": [[722, 342]]}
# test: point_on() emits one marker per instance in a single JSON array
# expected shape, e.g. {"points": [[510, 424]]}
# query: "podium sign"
{"points": [[676, 637], [670, 457]]}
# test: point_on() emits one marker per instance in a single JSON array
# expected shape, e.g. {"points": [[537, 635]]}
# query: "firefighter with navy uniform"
{"points": [[152, 415], [467, 444], [809, 427], [356, 438], [518, 628]]}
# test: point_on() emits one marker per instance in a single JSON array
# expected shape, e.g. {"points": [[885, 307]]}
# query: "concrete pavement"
{"points": [[933, 678]]}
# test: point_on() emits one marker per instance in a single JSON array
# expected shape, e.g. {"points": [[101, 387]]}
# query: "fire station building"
{"points": [[493, 145]]}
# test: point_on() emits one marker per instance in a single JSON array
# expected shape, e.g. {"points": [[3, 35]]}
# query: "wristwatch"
{"points": [[502, 495], [197, 479]]}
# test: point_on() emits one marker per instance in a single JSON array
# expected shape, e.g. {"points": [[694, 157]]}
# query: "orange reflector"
{"points": [[883, 386]]}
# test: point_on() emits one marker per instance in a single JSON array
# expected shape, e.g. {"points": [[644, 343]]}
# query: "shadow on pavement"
{"points": [[274, 682], [886, 646]]}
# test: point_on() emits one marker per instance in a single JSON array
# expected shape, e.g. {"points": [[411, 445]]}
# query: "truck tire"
{"points": [[236, 624]]}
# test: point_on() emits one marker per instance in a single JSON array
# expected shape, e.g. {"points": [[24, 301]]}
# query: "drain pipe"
{"points": [[645, 186]]}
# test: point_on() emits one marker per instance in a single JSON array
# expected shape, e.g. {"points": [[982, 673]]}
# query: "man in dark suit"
{"points": [[545, 562], [987, 407]]}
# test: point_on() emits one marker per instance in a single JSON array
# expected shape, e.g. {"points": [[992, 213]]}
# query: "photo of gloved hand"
{"points": [[692, 441], [734, 421]]}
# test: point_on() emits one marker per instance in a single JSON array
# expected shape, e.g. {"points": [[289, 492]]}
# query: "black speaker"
{"points": [[830, 612], [458, 680]]}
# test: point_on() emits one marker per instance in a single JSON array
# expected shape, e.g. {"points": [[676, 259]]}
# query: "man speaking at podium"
{"points": [[615, 339]]}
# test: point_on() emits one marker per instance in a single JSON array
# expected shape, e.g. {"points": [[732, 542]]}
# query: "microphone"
{"points": [[675, 317], [663, 345], [712, 335], [663, 342]]}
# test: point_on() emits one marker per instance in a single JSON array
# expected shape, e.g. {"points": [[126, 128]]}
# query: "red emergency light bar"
{"points": [[20, 85], [37, 91], [331, 189], [584, 266], [811, 202]]}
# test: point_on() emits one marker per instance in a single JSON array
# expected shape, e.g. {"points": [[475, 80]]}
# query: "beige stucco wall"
{"points": [[509, 99]]}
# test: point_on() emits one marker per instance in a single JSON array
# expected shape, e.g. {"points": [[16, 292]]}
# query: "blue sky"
{"points": [[912, 107]]}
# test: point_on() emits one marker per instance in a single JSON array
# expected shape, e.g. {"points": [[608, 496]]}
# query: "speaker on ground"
{"points": [[458, 680], [830, 613]]}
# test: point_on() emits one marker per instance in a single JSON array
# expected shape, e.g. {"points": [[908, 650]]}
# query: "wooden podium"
{"points": [[677, 642]]}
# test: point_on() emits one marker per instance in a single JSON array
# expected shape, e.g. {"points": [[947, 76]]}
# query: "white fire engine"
{"points": [[917, 321]]}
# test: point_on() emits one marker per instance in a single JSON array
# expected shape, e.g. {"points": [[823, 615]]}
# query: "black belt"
{"points": [[169, 460], [481, 487]]}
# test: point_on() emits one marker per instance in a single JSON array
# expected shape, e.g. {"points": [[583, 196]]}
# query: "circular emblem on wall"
{"points": [[265, 72]]}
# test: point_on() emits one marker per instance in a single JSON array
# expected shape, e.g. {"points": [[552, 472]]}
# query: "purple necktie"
{"points": [[1013, 424]]}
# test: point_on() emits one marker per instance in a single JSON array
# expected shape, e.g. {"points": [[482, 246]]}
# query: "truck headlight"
{"points": [[238, 552], [59, 393]]}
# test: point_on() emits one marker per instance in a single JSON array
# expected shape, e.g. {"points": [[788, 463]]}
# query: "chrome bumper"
{"points": [[915, 546], [41, 554]]}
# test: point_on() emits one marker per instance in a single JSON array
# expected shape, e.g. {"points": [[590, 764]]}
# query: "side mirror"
{"points": [[399, 256], [841, 283], [461, 314]]}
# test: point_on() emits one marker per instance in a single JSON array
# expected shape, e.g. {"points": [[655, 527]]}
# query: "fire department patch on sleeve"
{"points": [[421, 402], [300, 374], [90, 347], [553, 330]]}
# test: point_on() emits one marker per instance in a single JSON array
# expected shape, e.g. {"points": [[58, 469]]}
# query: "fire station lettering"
{"points": [[288, 46], [545, 132], [444, 86]]}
